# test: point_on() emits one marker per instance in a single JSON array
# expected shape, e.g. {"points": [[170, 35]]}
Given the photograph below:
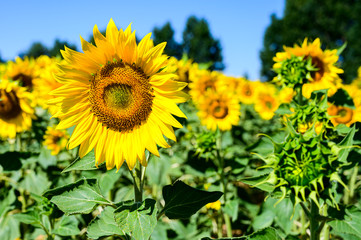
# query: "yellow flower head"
{"points": [[220, 110], [55, 139], [326, 77], [22, 70], [266, 102], [15, 110], [119, 96], [214, 205], [340, 114], [202, 81], [247, 91], [286, 95], [46, 82]]}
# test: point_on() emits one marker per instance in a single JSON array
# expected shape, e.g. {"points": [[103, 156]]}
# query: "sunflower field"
{"points": [[121, 141]]}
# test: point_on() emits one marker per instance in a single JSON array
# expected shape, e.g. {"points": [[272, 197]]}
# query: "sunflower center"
{"points": [[121, 96], [26, 81], [9, 105], [118, 96], [317, 75], [345, 115], [269, 105], [219, 111]]}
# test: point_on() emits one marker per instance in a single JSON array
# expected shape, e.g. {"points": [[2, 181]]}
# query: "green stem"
{"points": [[220, 158], [303, 223], [314, 222], [137, 175], [326, 230]]}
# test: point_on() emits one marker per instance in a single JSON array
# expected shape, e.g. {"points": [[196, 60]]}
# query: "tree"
{"points": [[199, 44], [166, 34], [334, 22], [59, 45], [36, 49]]}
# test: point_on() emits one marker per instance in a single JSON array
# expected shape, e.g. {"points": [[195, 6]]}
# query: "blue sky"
{"points": [[238, 24]]}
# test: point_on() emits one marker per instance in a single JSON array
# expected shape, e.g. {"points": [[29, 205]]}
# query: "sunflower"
{"points": [[266, 102], [22, 70], [341, 115], [203, 80], [46, 82], [220, 110], [15, 110], [119, 96], [55, 139], [326, 75], [286, 95], [247, 91]]}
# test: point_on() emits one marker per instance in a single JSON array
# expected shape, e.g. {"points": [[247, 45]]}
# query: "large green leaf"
{"points": [[66, 226], [85, 163], [104, 225], [346, 143], [80, 197], [182, 201], [30, 217], [348, 222], [137, 219]]}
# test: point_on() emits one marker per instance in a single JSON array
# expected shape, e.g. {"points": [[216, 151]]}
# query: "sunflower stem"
{"points": [[351, 185], [138, 182], [326, 230], [220, 158], [314, 222]]}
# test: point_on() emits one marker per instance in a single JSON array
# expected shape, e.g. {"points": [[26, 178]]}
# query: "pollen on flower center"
{"points": [[9, 105], [121, 96], [118, 96]]}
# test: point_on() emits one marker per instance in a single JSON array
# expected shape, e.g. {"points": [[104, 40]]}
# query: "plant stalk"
{"points": [[220, 158], [138, 176], [314, 222]]}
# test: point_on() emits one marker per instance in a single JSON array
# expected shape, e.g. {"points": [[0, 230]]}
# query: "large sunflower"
{"points": [[220, 110], [324, 60], [15, 109], [119, 97]]}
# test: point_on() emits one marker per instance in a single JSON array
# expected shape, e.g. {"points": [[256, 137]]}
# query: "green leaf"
{"points": [[104, 225], [265, 219], [265, 186], [85, 163], [283, 109], [231, 208], [80, 197], [30, 217], [66, 226], [341, 49], [264, 234], [137, 219], [10, 161], [182, 201], [35, 182], [346, 143], [351, 222]]}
